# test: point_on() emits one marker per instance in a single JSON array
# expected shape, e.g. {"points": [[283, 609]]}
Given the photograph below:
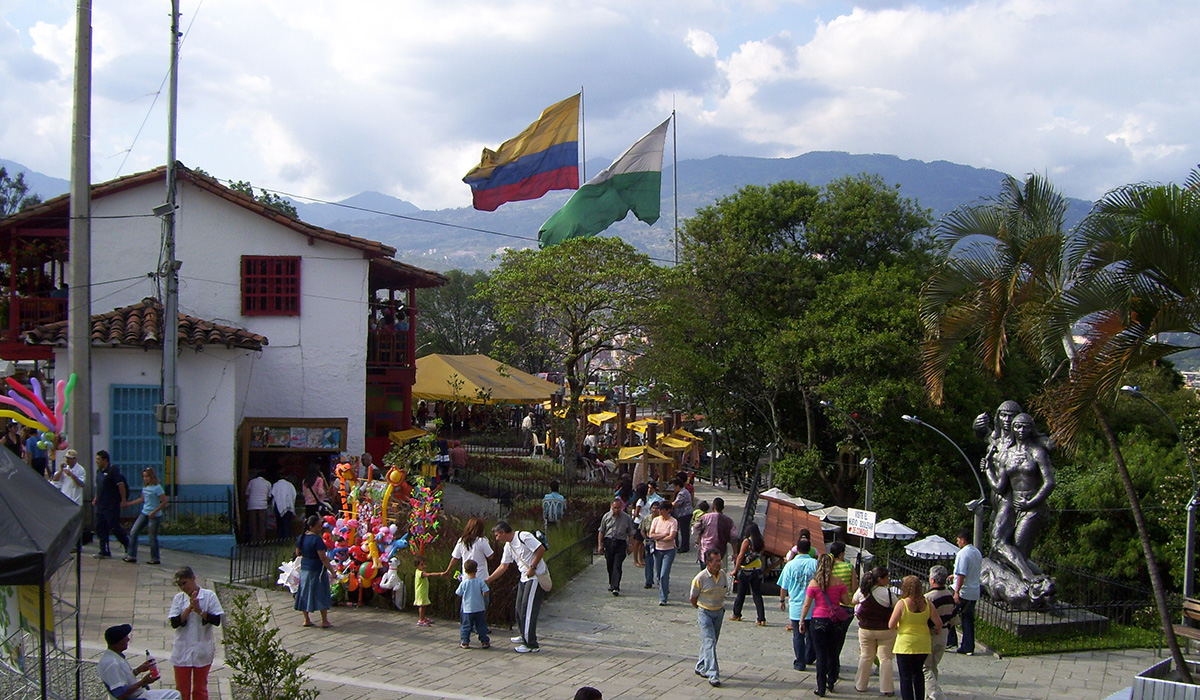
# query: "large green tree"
{"points": [[454, 320], [584, 297], [14, 193], [1012, 271]]}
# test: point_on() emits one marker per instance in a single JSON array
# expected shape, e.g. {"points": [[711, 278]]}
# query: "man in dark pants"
{"points": [[110, 498], [967, 566], [612, 538]]}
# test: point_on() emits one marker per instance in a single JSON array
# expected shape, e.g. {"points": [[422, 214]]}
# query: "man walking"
{"points": [[793, 583], [612, 538], [967, 565], [111, 496], [714, 530], [942, 601], [709, 588], [524, 550], [258, 492], [283, 500]]}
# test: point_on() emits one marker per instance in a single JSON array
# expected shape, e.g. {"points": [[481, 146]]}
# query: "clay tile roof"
{"points": [[141, 326]]}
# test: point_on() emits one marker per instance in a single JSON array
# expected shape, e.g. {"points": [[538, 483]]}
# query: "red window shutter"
{"points": [[270, 285]]}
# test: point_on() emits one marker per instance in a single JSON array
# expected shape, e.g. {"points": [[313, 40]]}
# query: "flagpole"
{"points": [[675, 175], [582, 140]]}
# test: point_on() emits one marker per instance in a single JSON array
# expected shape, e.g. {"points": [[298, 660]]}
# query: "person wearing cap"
{"points": [[69, 477], [119, 677]]}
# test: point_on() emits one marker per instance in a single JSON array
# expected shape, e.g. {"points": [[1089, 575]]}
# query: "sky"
{"points": [[324, 99]]}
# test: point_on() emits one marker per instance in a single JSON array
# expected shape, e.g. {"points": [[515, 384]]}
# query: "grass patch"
{"points": [[193, 524], [1118, 637]]}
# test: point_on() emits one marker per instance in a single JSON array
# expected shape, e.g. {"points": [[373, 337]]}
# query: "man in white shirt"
{"points": [[967, 567], [120, 678], [283, 500], [69, 477], [526, 551], [367, 468], [258, 492]]}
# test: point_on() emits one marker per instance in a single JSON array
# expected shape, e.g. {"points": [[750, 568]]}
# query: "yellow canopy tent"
{"points": [[601, 417], [640, 425], [646, 461], [477, 379], [674, 443], [402, 436], [685, 435]]}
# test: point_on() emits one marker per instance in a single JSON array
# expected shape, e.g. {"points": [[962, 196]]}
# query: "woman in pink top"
{"points": [[662, 532], [314, 491], [825, 594]]}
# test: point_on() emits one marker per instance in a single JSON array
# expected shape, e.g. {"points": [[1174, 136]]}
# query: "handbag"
{"points": [[323, 507], [839, 613]]}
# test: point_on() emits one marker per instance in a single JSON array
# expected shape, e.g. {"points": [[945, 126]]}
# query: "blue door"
{"points": [[135, 440]]}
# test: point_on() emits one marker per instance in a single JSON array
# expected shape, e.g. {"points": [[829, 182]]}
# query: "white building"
{"points": [[275, 331]]}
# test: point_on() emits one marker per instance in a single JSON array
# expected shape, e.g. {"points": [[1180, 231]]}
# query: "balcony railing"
{"points": [[25, 313], [387, 348]]}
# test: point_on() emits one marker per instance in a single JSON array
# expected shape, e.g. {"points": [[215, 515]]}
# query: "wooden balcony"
{"points": [[388, 358], [25, 313]]}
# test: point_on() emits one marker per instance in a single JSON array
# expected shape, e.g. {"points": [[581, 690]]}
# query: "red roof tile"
{"points": [[141, 325]]}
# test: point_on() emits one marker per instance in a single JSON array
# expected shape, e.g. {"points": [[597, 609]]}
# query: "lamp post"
{"points": [[1189, 557], [868, 462], [979, 505]]}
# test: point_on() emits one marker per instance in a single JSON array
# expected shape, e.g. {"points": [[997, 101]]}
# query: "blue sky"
{"points": [[327, 99]]}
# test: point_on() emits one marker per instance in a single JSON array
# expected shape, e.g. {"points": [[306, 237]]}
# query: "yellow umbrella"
{"points": [[402, 436], [642, 453], [681, 433], [601, 417], [674, 443], [640, 425]]}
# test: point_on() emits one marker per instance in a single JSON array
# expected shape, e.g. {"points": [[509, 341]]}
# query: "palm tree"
{"points": [[1132, 276]]}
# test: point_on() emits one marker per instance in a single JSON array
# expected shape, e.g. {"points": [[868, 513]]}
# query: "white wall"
{"points": [[314, 364]]}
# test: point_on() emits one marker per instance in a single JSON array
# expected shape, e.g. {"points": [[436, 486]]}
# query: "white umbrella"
{"points": [[891, 529], [833, 514], [932, 547], [795, 500]]}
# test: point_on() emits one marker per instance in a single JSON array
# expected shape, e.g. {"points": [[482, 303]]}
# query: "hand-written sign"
{"points": [[860, 522]]}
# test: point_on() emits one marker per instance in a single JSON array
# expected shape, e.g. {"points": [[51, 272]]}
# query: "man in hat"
{"points": [[121, 678], [69, 477]]}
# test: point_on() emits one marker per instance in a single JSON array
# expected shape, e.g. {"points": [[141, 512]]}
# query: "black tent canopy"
{"points": [[41, 526]]}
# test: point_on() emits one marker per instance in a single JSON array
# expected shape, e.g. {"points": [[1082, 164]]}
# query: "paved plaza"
{"points": [[628, 647]]}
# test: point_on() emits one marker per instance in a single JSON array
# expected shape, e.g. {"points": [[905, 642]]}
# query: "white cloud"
{"points": [[330, 99]]}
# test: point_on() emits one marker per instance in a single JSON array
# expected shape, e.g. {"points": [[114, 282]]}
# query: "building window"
{"points": [[270, 285]]}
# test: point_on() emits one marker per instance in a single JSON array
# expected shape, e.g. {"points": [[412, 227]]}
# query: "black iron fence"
{"points": [[257, 563], [213, 515]]}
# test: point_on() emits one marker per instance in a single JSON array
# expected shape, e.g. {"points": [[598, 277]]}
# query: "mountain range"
{"points": [[467, 239]]}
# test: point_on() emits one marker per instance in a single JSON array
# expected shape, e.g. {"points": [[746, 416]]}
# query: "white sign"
{"points": [[860, 522]]}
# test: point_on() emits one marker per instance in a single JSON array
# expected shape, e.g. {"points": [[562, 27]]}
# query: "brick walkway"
{"points": [[629, 647]]}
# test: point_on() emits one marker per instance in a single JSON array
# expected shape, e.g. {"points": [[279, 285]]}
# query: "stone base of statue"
{"points": [[1003, 584], [1052, 620]]}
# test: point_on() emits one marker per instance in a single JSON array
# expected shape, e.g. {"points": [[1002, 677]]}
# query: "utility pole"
{"points": [[167, 413], [79, 303]]}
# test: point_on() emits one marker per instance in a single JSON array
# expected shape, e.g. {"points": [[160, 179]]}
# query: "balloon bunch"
{"points": [[424, 518], [356, 550], [36, 414]]}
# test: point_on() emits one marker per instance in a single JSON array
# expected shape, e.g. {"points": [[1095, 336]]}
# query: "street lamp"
{"points": [[1189, 557], [868, 462], [977, 506]]}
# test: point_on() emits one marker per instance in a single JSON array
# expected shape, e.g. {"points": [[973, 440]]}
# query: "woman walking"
{"points": [[911, 618], [315, 491], [315, 571], [748, 572], [825, 594], [471, 546], [640, 509], [874, 603], [153, 500], [662, 532]]}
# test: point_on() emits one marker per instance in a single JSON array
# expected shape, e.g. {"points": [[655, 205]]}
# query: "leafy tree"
{"points": [[269, 199], [1134, 276], [14, 194], [584, 296], [454, 320]]}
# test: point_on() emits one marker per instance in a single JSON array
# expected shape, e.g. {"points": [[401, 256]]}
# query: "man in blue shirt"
{"points": [[793, 582], [111, 496], [967, 566]]}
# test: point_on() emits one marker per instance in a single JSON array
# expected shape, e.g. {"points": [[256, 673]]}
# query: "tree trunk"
{"points": [[1156, 583]]}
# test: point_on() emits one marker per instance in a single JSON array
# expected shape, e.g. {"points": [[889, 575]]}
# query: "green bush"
{"points": [[262, 668], [1118, 637]]}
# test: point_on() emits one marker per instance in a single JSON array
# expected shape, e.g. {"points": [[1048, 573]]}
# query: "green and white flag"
{"points": [[632, 183]]}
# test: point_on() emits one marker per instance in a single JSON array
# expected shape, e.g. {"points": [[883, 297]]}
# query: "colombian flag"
{"points": [[543, 157]]}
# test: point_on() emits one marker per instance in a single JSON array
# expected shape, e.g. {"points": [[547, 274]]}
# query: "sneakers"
{"points": [[485, 645], [522, 649], [517, 640], [714, 682], [464, 645], [101, 555], [424, 623], [616, 592], [154, 561], [129, 560]]}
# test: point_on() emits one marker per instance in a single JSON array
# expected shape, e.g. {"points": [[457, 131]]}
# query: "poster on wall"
{"points": [[279, 437], [332, 439], [299, 439]]}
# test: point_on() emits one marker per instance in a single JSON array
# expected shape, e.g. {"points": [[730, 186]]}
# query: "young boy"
{"points": [[421, 590], [474, 592]]}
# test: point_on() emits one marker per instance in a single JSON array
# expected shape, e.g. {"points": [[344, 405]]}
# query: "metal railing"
{"points": [[257, 563]]}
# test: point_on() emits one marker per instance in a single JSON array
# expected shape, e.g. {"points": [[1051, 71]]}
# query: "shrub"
{"points": [[262, 668]]}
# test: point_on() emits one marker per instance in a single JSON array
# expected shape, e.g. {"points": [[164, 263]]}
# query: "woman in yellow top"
{"points": [[915, 622]]}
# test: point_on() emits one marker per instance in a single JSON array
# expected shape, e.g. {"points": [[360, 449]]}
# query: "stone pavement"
{"points": [[629, 647]]}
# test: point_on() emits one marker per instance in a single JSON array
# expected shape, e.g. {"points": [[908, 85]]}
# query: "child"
{"points": [[474, 592], [153, 500], [421, 590]]}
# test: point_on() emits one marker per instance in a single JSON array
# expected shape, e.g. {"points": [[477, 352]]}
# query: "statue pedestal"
{"points": [[1036, 623]]}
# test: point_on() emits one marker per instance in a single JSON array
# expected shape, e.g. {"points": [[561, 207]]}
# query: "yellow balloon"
{"points": [[25, 420]]}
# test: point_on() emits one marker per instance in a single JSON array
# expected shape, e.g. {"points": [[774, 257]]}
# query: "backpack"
{"points": [[541, 537]]}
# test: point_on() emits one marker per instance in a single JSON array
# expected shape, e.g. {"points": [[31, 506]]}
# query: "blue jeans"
{"points": [[968, 627], [473, 621], [710, 632], [651, 566], [663, 559], [144, 522], [799, 648]]}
